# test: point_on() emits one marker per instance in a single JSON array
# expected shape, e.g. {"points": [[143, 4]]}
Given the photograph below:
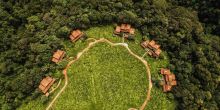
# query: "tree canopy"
{"points": [[189, 30]]}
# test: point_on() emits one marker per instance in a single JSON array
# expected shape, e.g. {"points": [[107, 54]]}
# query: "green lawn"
{"points": [[108, 77]]}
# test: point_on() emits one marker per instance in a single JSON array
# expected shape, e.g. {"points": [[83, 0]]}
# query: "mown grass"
{"points": [[109, 77]]}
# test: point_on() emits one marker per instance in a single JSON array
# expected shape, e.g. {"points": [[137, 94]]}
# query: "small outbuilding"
{"points": [[58, 56], [46, 83], [76, 35], [169, 80], [152, 48]]}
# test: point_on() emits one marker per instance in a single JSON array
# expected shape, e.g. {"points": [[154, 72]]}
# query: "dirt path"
{"points": [[91, 44], [53, 89]]}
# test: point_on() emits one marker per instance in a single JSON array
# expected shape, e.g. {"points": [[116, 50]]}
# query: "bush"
{"points": [[44, 99]]}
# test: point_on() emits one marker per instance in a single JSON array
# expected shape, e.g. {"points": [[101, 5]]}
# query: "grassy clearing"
{"points": [[108, 77], [105, 78]]}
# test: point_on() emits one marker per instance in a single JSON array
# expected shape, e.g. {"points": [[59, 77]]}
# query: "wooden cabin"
{"points": [[76, 35], [152, 48], [45, 84], [58, 56], [125, 30], [169, 79]]}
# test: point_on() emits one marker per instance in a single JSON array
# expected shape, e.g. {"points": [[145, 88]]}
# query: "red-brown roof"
{"points": [[164, 71], [75, 35], [58, 55], [123, 26], [126, 28], [145, 44], [173, 83], [166, 88], [151, 45], [154, 45], [152, 42], [157, 52], [169, 79], [46, 83]]}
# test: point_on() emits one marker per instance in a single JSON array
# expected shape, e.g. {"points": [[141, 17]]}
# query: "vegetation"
{"points": [[208, 13], [106, 73], [31, 30], [102, 79]]}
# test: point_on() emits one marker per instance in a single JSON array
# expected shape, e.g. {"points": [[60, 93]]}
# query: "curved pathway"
{"points": [[91, 44], [53, 89]]}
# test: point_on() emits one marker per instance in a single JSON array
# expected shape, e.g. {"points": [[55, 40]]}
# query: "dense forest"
{"points": [[189, 31], [208, 13]]}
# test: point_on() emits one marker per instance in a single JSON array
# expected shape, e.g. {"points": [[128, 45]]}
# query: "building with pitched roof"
{"points": [[46, 83], [76, 35], [125, 31], [169, 80], [58, 56], [152, 48]]}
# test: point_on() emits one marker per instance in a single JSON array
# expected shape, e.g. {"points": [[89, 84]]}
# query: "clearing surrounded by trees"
{"points": [[94, 83], [110, 54]]}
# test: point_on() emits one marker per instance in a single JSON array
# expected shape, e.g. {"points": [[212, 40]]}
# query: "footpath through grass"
{"points": [[108, 77]]}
